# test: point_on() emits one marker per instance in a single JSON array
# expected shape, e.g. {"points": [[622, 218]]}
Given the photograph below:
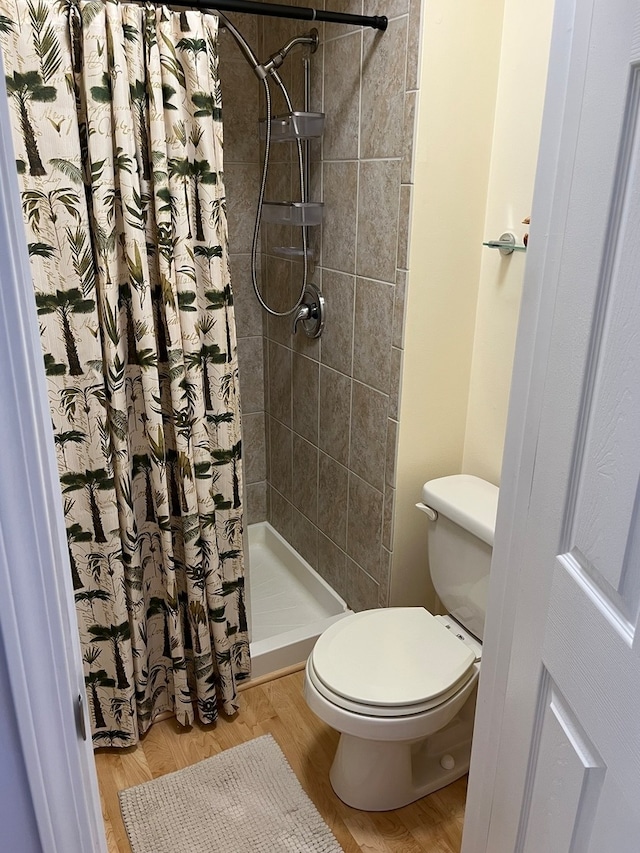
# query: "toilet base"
{"points": [[381, 775]]}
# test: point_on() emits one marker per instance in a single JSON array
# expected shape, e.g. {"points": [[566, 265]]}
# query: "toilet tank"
{"points": [[460, 545]]}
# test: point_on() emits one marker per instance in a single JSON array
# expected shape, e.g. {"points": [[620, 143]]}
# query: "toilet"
{"points": [[399, 683]]}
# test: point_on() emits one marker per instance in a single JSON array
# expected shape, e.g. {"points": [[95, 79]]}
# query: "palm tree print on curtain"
{"points": [[122, 187]]}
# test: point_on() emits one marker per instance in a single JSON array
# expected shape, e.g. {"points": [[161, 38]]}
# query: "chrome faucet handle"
{"points": [[311, 313], [303, 313]]}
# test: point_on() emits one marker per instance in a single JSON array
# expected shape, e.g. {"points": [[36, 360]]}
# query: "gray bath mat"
{"points": [[244, 800]]}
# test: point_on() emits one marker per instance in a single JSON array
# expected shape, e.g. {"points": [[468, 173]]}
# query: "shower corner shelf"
{"points": [[292, 212], [294, 125]]}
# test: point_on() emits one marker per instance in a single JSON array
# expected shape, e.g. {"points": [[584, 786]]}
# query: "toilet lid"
{"points": [[391, 657]]}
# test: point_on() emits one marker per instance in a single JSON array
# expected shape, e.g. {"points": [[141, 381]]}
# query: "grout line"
{"points": [[397, 261], [363, 160], [361, 63], [364, 277]]}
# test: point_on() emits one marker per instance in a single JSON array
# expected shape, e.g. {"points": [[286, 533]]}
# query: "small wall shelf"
{"points": [[506, 244], [295, 125], [293, 212]]}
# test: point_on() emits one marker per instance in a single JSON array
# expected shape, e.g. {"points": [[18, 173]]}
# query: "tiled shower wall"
{"points": [[331, 405]]}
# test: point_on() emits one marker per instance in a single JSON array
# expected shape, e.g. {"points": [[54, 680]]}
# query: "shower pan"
{"points": [[290, 605]]}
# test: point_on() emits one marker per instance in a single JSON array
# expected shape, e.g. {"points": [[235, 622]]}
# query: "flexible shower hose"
{"points": [[253, 61], [263, 182]]}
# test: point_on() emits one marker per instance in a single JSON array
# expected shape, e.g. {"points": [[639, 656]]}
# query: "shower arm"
{"points": [[276, 59]]}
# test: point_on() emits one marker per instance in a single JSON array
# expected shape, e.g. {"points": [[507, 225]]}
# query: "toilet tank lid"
{"points": [[466, 500]]}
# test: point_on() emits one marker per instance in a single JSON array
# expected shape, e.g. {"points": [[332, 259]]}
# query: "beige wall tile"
{"points": [[304, 537], [340, 216], [385, 578], [279, 186], [392, 446], [304, 490], [362, 589], [342, 97], [335, 413], [280, 513], [337, 338], [410, 99], [248, 25], [300, 343], [240, 99], [265, 359], [256, 502], [249, 314], [332, 564], [368, 434], [364, 525], [387, 518], [316, 98], [390, 8], [404, 230], [279, 296], [399, 295], [253, 446], [383, 88], [378, 204], [280, 451], [372, 333], [395, 384], [306, 382], [413, 45], [241, 187], [251, 373], [350, 7], [280, 383], [333, 482]]}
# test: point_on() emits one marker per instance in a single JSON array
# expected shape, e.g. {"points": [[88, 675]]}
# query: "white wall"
{"points": [[481, 95], [460, 54], [524, 56]]}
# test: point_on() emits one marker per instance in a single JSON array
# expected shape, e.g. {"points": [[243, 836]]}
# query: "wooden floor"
{"points": [[277, 707]]}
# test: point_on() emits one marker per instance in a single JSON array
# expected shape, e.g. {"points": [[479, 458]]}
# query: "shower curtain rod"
{"points": [[276, 10]]}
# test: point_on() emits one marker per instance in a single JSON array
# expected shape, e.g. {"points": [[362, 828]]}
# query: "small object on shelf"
{"points": [[506, 244], [292, 212], [294, 125]]}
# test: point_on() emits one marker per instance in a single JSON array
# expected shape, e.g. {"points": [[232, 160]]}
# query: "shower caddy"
{"points": [[299, 126]]}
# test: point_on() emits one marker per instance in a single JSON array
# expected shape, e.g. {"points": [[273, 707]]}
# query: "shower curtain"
{"points": [[118, 137]]}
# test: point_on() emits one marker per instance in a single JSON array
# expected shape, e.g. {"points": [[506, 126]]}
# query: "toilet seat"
{"points": [[391, 662]]}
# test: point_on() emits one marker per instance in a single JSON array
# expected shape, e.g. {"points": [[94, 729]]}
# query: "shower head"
{"points": [[275, 60]]}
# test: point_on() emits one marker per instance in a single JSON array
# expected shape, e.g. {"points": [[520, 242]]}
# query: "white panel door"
{"points": [[564, 723]]}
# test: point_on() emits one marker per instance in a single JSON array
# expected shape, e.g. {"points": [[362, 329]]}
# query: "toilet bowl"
{"points": [[398, 683]]}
